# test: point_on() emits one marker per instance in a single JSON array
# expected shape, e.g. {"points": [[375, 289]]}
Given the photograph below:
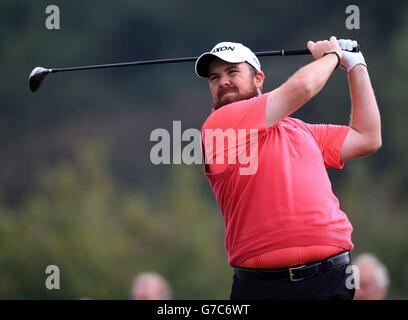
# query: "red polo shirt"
{"points": [[281, 195]]}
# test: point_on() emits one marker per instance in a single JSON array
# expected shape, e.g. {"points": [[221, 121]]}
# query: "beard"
{"points": [[224, 98]]}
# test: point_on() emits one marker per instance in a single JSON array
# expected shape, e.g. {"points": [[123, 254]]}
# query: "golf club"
{"points": [[39, 73]]}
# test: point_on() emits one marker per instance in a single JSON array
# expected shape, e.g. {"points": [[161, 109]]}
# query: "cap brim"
{"points": [[205, 59], [202, 63]]}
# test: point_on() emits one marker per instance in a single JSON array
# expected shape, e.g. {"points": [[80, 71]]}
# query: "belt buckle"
{"points": [[291, 275]]}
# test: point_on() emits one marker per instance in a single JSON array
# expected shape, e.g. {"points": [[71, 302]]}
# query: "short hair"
{"points": [[253, 70], [145, 277], [381, 272]]}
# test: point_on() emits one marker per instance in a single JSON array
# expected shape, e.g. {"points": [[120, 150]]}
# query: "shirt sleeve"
{"points": [[330, 139]]}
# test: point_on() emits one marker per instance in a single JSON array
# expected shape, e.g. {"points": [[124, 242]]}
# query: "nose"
{"points": [[225, 81]]}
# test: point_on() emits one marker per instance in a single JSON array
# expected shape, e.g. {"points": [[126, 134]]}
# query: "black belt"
{"points": [[297, 273]]}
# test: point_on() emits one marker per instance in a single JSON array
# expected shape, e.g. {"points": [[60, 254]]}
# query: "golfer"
{"points": [[286, 236]]}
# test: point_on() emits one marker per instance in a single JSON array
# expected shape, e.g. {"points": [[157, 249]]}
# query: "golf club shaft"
{"points": [[287, 52], [124, 64]]}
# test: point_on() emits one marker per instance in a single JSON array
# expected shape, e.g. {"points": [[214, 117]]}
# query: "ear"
{"points": [[259, 79]]}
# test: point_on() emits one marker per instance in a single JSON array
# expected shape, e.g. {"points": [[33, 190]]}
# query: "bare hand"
{"points": [[319, 48]]}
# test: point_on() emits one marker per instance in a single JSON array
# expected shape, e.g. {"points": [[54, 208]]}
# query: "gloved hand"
{"points": [[350, 59]]}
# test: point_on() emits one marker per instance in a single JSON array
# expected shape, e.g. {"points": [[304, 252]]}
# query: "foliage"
{"points": [[100, 238], [101, 211]]}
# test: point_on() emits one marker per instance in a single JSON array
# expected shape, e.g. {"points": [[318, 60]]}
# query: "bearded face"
{"points": [[231, 82]]}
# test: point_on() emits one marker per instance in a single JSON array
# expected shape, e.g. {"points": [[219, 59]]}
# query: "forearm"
{"points": [[365, 116], [315, 75], [299, 89]]}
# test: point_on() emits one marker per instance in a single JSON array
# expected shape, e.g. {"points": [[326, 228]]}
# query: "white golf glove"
{"points": [[350, 59]]}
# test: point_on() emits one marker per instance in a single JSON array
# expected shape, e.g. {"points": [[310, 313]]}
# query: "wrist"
{"points": [[332, 52], [358, 69], [352, 60]]}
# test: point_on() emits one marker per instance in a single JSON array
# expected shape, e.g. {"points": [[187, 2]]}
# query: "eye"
{"points": [[233, 71], [213, 77]]}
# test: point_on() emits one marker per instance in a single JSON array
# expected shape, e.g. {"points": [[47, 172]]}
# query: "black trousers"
{"points": [[333, 284]]}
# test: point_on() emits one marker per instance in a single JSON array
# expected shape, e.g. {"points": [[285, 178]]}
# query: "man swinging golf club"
{"points": [[286, 237]]}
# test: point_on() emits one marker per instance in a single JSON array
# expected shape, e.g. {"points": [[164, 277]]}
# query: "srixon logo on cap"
{"points": [[224, 48]]}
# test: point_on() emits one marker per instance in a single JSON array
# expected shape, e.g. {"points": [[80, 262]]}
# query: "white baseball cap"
{"points": [[228, 51]]}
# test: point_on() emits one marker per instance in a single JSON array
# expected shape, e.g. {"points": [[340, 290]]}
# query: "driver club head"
{"points": [[37, 77]]}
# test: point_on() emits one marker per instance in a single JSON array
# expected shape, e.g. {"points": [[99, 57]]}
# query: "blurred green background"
{"points": [[77, 187]]}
